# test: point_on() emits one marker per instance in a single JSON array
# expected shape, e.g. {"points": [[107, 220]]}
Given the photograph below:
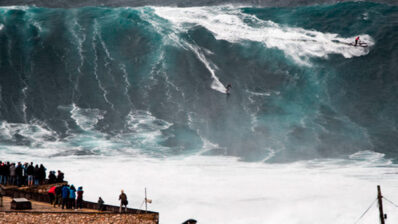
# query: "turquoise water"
{"points": [[151, 80]]}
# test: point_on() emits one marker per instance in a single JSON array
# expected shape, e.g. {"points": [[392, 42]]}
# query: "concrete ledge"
{"points": [[50, 218]]}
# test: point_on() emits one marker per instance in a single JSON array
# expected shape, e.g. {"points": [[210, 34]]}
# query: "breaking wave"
{"points": [[151, 81]]}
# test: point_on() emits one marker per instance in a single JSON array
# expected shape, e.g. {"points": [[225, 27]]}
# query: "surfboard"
{"points": [[361, 44]]}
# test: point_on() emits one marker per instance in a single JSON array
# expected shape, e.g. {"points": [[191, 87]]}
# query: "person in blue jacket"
{"points": [[65, 196], [72, 197]]}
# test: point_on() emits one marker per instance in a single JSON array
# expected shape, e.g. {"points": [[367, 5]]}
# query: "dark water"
{"points": [[150, 80], [178, 3]]}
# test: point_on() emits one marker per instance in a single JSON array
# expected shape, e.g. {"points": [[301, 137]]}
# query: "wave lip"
{"points": [[231, 24]]}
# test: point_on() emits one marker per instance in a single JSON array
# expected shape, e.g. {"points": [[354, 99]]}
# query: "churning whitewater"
{"points": [[143, 89]]}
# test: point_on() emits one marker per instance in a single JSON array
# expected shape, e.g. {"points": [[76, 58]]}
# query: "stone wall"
{"points": [[80, 218]]}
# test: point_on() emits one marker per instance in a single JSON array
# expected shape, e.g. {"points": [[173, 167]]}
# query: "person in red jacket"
{"points": [[51, 194], [356, 41]]}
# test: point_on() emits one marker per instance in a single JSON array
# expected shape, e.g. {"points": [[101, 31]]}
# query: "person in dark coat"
{"points": [[30, 172], [1, 172], [36, 174], [42, 174], [7, 172], [51, 177], [18, 174], [60, 177], [100, 204], [79, 200], [58, 196], [123, 201]]}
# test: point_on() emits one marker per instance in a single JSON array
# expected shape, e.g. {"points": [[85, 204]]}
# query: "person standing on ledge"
{"points": [[123, 201], [79, 200], [65, 196], [58, 196], [72, 197], [30, 172], [100, 204], [51, 194], [60, 177]]}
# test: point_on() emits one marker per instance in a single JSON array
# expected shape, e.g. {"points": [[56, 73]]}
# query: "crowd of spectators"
{"points": [[64, 196], [27, 174]]}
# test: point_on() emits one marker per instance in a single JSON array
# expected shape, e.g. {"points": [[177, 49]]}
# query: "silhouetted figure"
{"points": [[7, 173], [36, 174], [228, 89], [30, 172], [100, 204], [58, 196], [60, 177], [51, 177], [42, 174], [2, 173], [123, 201], [18, 174]]}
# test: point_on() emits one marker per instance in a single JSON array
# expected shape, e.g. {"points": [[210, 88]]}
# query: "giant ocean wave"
{"points": [[151, 81]]}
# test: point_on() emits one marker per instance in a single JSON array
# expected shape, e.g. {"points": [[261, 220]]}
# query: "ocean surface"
{"points": [[128, 96]]}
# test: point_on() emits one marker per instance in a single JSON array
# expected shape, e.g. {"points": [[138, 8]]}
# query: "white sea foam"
{"points": [[97, 37], [35, 135], [141, 120], [208, 146], [1, 26], [15, 7], [86, 119], [230, 24], [259, 93], [24, 107], [208, 188], [143, 135], [366, 156], [78, 33], [271, 153], [224, 190], [126, 81], [144, 130], [29, 131]]}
